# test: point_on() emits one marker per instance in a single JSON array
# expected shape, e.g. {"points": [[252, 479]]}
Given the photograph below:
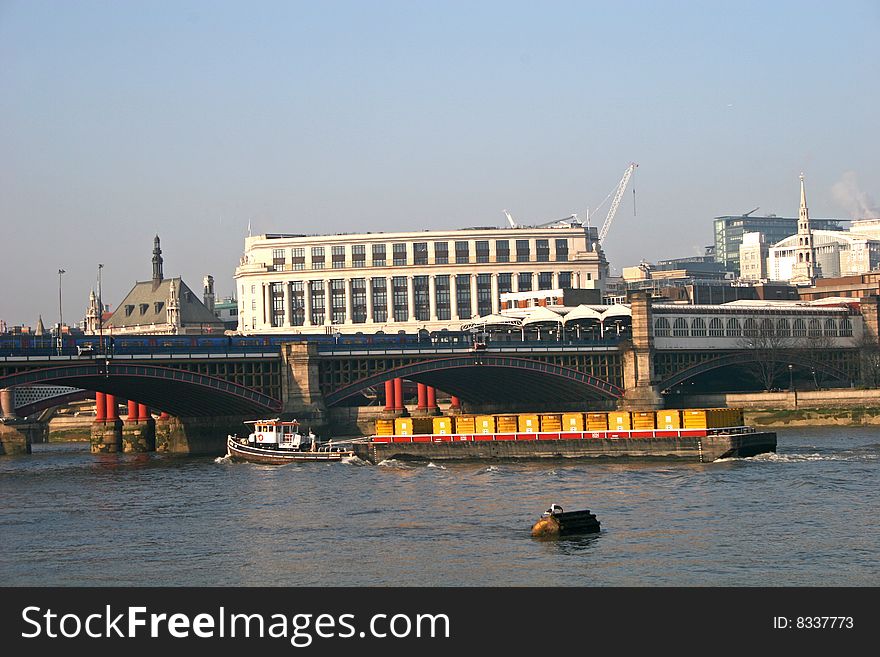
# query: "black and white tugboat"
{"points": [[277, 442]]}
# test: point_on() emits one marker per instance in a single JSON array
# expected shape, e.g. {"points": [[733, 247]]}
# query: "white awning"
{"points": [[491, 320], [541, 315], [617, 310], [582, 312]]}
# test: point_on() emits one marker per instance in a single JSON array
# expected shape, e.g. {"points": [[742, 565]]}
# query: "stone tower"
{"points": [[805, 270], [208, 295], [172, 308], [157, 262], [93, 315]]}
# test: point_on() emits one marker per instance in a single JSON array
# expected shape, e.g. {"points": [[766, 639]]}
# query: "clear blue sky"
{"points": [[119, 120]]}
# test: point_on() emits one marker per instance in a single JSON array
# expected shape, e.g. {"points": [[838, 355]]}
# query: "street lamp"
{"points": [[790, 380], [60, 312], [100, 310]]}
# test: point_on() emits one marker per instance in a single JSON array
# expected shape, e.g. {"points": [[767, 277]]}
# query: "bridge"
{"points": [[665, 349]]}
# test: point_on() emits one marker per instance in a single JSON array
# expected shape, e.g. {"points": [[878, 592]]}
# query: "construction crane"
{"points": [[621, 187], [510, 219]]}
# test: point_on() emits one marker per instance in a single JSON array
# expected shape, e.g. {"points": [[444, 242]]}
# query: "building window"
{"points": [[545, 280], [400, 298], [484, 294], [337, 257], [358, 300], [379, 256], [698, 328], [522, 251], [277, 292], [463, 295], [462, 253], [750, 328], [815, 328], [421, 296], [661, 327], [337, 301], [830, 328], [298, 258], [680, 328], [278, 259], [542, 250], [399, 254], [525, 281], [441, 288], [562, 250], [441, 253], [799, 329], [505, 283], [358, 255], [716, 328], [297, 303], [420, 253], [380, 300], [482, 249], [565, 280], [316, 289], [317, 257], [502, 251], [734, 328], [845, 328], [783, 328]]}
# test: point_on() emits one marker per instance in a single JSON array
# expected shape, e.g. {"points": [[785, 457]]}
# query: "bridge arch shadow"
{"points": [[177, 392], [484, 378], [748, 357]]}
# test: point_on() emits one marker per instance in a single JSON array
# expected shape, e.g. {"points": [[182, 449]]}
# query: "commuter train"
{"points": [[15, 344]]}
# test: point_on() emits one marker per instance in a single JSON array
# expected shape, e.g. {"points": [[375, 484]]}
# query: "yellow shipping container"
{"points": [[528, 423], [464, 424], [551, 421], [408, 426], [506, 423], [572, 421], [669, 419], [597, 421], [705, 418], [442, 425], [643, 420], [619, 421], [384, 427], [484, 424]]}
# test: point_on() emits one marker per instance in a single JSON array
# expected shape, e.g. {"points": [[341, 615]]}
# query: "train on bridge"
{"points": [[87, 345]]}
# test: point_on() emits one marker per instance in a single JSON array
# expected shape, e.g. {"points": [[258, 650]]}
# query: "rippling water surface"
{"points": [[807, 516]]}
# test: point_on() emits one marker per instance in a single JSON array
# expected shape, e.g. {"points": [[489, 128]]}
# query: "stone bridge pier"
{"points": [[197, 436], [641, 390], [18, 434]]}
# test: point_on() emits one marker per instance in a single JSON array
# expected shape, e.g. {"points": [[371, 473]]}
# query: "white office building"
{"points": [[394, 282]]}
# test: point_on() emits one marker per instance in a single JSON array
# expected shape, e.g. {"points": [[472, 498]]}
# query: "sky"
{"points": [[194, 119]]}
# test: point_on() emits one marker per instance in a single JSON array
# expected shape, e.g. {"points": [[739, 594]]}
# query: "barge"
{"points": [[529, 440]]}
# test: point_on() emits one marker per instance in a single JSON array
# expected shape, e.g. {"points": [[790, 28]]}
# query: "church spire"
{"points": [[806, 269], [157, 262]]}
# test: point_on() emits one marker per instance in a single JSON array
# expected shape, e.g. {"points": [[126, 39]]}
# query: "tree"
{"points": [[765, 354]]}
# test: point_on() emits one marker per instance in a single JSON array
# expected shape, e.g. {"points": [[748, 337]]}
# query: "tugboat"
{"points": [[276, 442]]}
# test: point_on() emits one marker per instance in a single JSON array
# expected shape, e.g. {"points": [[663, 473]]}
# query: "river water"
{"points": [[806, 516]]}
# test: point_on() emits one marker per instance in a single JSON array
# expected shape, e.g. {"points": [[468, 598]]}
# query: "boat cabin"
{"points": [[277, 433]]}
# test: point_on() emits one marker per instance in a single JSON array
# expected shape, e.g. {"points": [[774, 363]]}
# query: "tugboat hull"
{"points": [[240, 452]]}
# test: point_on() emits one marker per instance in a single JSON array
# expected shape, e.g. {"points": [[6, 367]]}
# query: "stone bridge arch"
{"points": [[178, 392], [484, 378]]}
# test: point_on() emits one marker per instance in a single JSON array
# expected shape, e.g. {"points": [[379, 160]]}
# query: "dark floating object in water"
{"points": [[556, 522]]}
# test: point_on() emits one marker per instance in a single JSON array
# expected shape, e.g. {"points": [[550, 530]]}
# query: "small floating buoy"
{"points": [[556, 522]]}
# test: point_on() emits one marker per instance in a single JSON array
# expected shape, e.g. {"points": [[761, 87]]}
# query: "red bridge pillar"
{"points": [[133, 416], [100, 407], [389, 395], [456, 403], [398, 394], [432, 399], [423, 396]]}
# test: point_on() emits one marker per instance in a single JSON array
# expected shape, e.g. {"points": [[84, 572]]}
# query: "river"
{"points": [[806, 516]]}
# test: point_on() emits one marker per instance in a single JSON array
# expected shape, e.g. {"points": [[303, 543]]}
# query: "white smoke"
{"points": [[859, 204]]}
